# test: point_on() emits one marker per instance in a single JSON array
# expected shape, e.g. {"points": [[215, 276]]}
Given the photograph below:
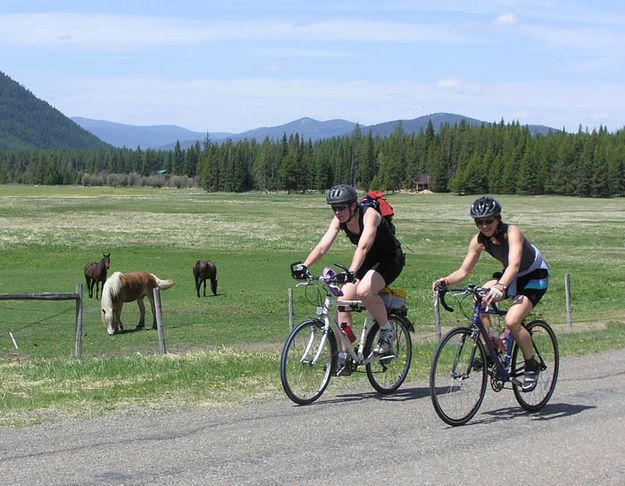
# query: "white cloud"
{"points": [[506, 19], [449, 83], [128, 32]]}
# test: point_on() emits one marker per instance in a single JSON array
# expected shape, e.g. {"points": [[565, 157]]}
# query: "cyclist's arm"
{"points": [[468, 264], [515, 254], [324, 244], [370, 223]]}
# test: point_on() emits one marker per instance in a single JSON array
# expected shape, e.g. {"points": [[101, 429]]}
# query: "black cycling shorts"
{"points": [[389, 268], [533, 285]]}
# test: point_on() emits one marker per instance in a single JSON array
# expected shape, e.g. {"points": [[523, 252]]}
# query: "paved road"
{"points": [[354, 438]]}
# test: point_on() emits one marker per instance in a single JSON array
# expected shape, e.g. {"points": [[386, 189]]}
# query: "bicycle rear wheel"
{"points": [[387, 373], [306, 361], [458, 376], [548, 357]]}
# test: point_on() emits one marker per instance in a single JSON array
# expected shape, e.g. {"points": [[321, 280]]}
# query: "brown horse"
{"points": [[203, 270], [95, 274], [120, 288]]}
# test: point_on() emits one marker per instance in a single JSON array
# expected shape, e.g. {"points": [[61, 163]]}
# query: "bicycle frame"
{"points": [[330, 323], [310, 356], [467, 357], [477, 322]]}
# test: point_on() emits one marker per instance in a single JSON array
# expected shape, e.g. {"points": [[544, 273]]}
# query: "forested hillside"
{"points": [[27, 122], [498, 158]]}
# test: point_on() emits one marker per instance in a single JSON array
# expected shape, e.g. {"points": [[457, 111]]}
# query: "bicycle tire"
{"points": [[458, 376], [547, 354], [387, 375], [303, 378]]}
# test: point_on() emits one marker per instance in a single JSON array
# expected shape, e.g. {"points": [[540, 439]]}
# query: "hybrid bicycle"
{"points": [[467, 357], [310, 355]]}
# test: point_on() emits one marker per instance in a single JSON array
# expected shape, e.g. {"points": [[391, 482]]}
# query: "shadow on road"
{"points": [[549, 412], [400, 395]]}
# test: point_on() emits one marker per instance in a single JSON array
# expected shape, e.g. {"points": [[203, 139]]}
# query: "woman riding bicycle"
{"points": [[377, 260], [523, 278]]}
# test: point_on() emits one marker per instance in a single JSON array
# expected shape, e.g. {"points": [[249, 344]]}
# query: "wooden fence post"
{"points": [[78, 339], [567, 293], [159, 320]]}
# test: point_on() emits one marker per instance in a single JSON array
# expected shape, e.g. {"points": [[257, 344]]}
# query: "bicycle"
{"points": [[463, 361], [310, 355]]}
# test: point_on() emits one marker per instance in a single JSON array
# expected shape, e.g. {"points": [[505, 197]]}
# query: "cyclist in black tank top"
{"points": [[377, 260], [522, 279]]}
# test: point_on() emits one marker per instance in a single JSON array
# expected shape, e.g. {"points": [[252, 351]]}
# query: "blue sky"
{"points": [[230, 66]]}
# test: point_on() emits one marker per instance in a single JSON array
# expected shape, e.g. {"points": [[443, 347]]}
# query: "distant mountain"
{"points": [[413, 126], [26, 122], [164, 137], [149, 136], [307, 128]]}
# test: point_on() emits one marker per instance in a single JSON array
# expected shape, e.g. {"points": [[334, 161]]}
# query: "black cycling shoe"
{"points": [[344, 368], [532, 369], [530, 380]]}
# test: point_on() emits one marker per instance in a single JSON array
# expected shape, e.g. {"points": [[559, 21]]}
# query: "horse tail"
{"points": [[110, 290], [163, 284]]}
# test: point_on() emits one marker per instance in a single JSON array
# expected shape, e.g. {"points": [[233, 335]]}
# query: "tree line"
{"points": [[490, 158]]}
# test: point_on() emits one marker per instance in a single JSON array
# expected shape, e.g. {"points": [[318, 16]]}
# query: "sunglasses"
{"points": [[339, 207], [480, 222]]}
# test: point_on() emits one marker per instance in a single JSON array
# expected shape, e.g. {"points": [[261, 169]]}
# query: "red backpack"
{"points": [[376, 200]]}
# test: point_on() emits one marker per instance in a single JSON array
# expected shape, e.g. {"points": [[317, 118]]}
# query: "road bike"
{"points": [[310, 355], [468, 356]]}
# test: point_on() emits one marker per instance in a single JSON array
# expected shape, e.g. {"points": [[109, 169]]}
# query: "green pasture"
{"points": [[226, 348]]}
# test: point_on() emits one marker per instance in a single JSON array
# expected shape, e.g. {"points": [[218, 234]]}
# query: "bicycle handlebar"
{"points": [[328, 278], [477, 292]]}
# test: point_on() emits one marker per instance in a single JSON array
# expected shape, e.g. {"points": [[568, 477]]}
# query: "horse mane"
{"points": [[114, 284], [110, 290]]}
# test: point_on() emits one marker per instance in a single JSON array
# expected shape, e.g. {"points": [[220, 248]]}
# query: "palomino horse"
{"points": [[203, 270], [120, 288], [95, 274]]}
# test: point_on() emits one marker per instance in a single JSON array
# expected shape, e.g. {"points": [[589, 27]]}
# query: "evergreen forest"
{"points": [[466, 159]]}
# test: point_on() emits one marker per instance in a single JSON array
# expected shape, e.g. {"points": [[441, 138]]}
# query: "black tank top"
{"points": [[385, 245], [500, 252]]}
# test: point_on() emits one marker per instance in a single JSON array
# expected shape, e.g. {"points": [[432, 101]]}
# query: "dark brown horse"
{"points": [[95, 274], [203, 270]]}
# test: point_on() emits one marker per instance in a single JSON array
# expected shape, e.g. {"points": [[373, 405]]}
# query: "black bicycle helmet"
{"points": [[485, 207], [341, 194]]}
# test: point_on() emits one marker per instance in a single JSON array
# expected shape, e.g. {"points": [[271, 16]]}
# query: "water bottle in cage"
{"points": [[347, 330], [495, 341], [507, 340]]}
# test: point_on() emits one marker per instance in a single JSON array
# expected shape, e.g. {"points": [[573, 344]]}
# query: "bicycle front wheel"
{"points": [[306, 361], [458, 376], [387, 373], [548, 357]]}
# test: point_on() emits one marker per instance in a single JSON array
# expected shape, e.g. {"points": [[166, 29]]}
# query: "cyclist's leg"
{"points": [[485, 318], [369, 292], [520, 308], [349, 293]]}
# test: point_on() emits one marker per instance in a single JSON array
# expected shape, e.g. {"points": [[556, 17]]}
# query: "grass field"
{"points": [[226, 348]]}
